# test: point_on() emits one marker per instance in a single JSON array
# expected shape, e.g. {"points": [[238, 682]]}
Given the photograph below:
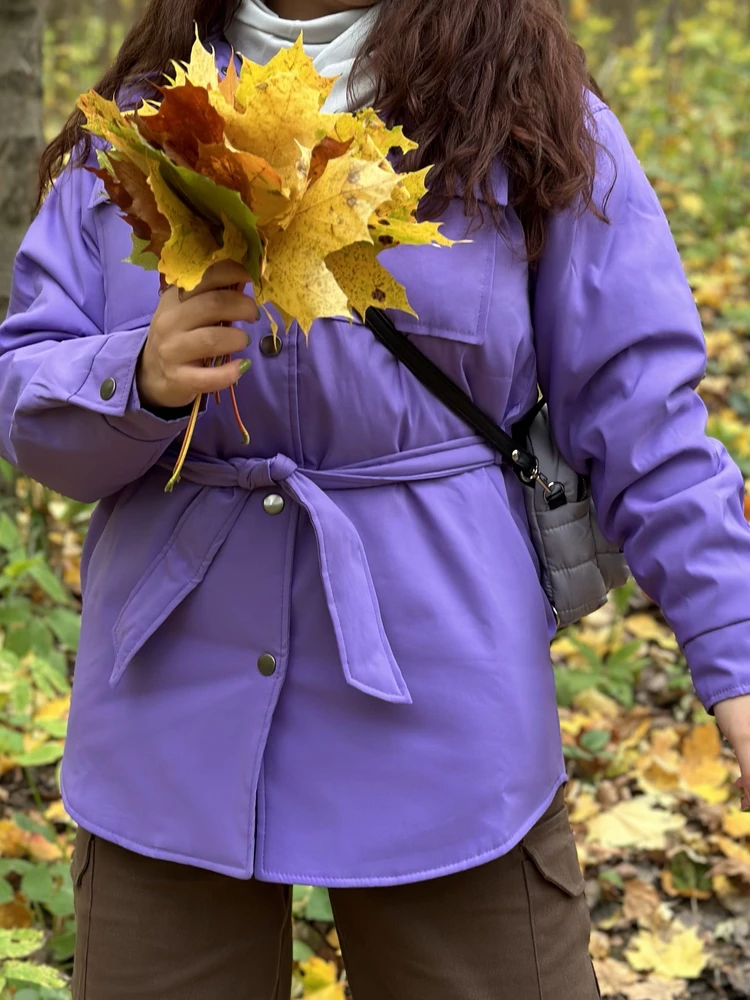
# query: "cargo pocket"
{"points": [[558, 911], [82, 875]]}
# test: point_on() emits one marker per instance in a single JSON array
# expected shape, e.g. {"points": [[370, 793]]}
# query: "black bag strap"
{"points": [[523, 462]]}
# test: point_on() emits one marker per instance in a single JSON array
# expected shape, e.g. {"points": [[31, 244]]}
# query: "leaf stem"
{"points": [[237, 417], [185, 445]]}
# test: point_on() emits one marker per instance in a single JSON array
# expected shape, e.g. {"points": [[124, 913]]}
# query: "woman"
{"points": [[324, 658]]}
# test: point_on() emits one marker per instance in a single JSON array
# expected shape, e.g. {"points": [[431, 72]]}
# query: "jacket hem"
{"points": [[325, 881], [473, 861]]}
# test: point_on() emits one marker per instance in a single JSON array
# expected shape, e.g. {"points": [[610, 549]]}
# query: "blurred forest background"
{"points": [[662, 842]]}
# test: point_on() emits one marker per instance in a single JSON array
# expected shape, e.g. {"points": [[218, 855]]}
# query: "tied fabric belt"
{"points": [[366, 655]]}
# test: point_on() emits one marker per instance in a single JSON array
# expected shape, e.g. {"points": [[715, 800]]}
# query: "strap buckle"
{"points": [[554, 493]]}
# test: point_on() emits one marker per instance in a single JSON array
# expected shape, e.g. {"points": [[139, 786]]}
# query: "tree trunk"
{"points": [[21, 136]]}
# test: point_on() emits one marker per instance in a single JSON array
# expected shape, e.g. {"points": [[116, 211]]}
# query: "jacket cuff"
{"points": [[110, 389], [719, 662]]}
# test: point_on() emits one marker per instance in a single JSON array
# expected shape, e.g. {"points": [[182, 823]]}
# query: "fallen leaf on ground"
{"points": [[640, 902], [675, 952], [634, 823]]}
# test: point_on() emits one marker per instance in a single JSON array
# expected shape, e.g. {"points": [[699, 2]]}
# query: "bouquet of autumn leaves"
{"points": [[248, 168]]}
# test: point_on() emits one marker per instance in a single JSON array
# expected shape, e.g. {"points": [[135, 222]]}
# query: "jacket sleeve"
{"points": [[620, 353], [58, 362]]}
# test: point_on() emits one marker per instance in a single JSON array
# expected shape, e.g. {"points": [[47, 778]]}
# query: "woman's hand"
{"points": [[185, 330], [733, 716]]}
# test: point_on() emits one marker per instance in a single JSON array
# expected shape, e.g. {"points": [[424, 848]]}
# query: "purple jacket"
{"points": [[325, 657]]}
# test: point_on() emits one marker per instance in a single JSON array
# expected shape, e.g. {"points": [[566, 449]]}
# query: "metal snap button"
{"points": [[266, 664], [270, 345], [273, 503], [107, 388]]}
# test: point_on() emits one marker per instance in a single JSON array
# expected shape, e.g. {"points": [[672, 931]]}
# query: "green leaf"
{"points": [[140, 256], [33, 637], [595, 739], [10, 536], [17, 865], [688, 875], [18, 943], [590, 655], [55, 727], [613, 877], [47, 753], [6, 891], [19, 565], [11, 742], [211, 200], [37, 884], [15, 611], [620, 691], [301, 952], [319, 906], [49, 583], [623, 655], [48, 678], [62, 945], [61, 903], [7, 472], [66, 625], [21, 696], [26, 972], [569, 683]]}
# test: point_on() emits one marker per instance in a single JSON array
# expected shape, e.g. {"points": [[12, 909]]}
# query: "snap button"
{"points": [[273, 503], [107, 388], [270, 345], [266, 664]]}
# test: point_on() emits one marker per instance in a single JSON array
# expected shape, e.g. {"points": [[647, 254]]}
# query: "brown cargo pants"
{"points": [[516, 928]]}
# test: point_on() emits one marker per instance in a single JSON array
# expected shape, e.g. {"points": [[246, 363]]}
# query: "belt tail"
{"points": [[175, 572], [366, 655]]}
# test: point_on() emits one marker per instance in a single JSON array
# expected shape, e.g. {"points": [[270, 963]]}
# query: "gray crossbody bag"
{"points": [[578, 565]]}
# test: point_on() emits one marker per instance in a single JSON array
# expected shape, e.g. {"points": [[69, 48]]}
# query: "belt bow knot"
{"points": [[367, 659]]}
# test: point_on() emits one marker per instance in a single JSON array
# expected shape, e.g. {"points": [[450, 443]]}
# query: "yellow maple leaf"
{"points": [[583, 808], [56, 709], [192, 247], [319, 979], [332, 214], [645, 626], [634, 823], [675, 953], [388, 231], [364, 280], [293, 60], [659, 768], [280, 117], [56, 813], [731, 850], [703, 772], [736, 823], [597, 704], [365, 127], [200, 69]]}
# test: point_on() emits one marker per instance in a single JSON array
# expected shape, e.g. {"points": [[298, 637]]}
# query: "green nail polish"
{"points": [[244, 365], [249, 339]]}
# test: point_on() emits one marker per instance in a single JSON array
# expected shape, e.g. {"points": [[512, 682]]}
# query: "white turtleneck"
{"points": [[332, 41]]}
